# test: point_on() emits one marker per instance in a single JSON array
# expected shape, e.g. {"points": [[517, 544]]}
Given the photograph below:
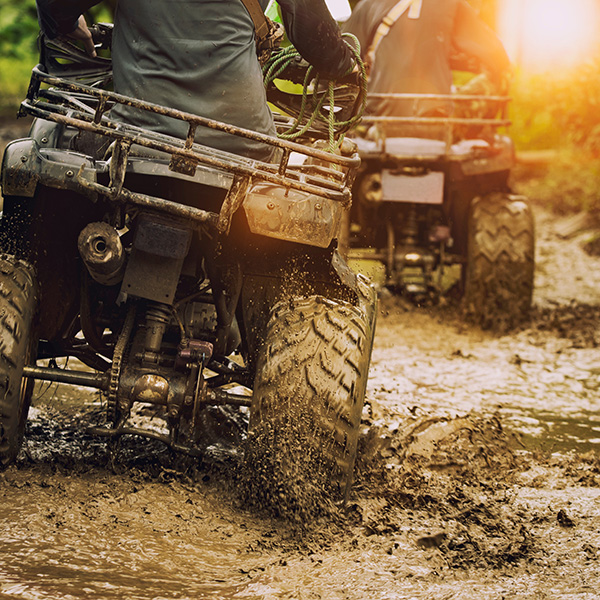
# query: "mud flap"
{"points": [[154, 266]]}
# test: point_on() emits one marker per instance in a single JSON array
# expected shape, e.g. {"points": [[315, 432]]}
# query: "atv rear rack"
{"points": [[450, 122], [83, 107]]}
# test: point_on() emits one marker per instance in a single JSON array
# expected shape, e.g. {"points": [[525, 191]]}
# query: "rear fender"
{"points": [[26, 164], [282, 213], [487, 159]]}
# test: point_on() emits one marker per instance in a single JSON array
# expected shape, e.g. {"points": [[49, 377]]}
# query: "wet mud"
{"points": [[478, 477]]}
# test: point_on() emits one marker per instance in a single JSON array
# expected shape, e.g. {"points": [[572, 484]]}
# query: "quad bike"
{"points": [[435, 194], [180, 277]]}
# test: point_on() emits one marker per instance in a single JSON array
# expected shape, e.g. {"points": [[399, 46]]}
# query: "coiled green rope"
{"points": [[313, 104]]}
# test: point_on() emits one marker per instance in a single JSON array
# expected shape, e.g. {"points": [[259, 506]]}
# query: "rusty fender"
{"points": [[279, 212]]}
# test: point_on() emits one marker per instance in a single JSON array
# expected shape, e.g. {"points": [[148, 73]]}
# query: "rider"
{"points": [[199, 56], [414, 55]]}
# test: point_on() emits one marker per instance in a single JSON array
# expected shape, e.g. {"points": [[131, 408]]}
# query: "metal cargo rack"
{"points": [[74, 104], [448, 124]]}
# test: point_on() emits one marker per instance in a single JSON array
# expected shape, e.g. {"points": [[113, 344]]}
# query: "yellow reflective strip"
{"points": [[415, 9], [413, 6]]}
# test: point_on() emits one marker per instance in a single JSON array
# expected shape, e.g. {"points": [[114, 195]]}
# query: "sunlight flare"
{"points": [[544, 35]]}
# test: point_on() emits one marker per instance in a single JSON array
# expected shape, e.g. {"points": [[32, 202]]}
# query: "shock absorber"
{"points": [[410, 229], [157, 319]]}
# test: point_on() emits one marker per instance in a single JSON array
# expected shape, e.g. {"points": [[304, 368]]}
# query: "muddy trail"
{"points": [[478, 477]]}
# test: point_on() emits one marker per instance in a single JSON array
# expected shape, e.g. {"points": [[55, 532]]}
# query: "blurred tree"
{"points": [[18, 28], [104, 11]]}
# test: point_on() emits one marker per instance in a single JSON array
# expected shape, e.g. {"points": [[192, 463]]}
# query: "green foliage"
{"points": [[561, 112], [18, 51], [18, 47], [576, 107], [533, 126], [569, 184], [14, 77], [557, 111], [18, 29]]}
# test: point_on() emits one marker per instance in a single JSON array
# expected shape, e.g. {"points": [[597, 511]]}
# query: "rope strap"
{"points": [[318, 103]]}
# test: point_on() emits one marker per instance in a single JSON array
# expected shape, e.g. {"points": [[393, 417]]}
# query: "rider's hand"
{"points": [[83, 34]]}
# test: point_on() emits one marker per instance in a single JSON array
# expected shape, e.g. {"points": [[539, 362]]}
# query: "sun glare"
{"points": [[549, 34]]}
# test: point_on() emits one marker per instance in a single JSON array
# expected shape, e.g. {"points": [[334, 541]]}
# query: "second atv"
{"points": [[435, 194]]}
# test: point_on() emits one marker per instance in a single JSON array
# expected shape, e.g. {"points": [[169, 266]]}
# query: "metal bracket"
{"points": [[233, 201]]}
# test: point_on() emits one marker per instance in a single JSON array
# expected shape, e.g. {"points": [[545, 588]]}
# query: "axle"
{"points": [[100, 381]]}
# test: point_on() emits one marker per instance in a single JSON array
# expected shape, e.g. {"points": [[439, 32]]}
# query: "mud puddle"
{"points": [[476, 480], [443, 507], [80, 536]]}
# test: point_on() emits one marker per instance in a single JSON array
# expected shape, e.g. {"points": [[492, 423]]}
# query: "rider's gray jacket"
{"points": [[199, 56], [414, 57]]}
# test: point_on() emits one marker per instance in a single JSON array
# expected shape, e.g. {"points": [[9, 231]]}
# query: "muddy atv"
{"points": [[180, 278], [436, 194]]}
